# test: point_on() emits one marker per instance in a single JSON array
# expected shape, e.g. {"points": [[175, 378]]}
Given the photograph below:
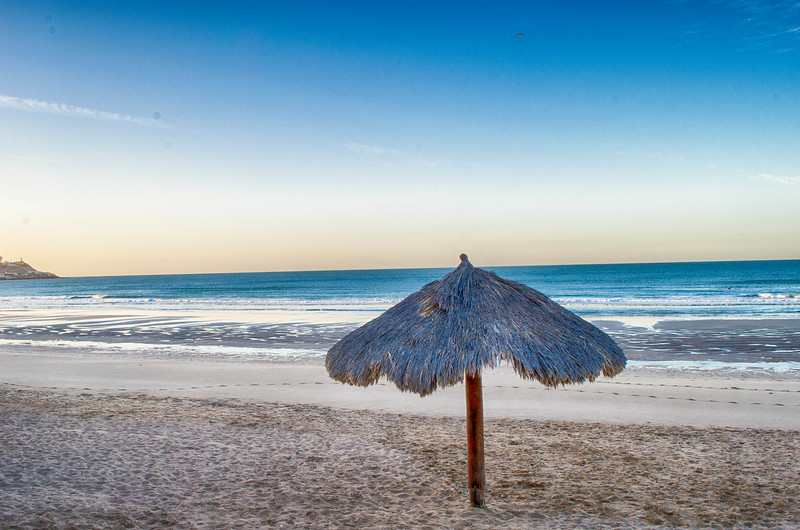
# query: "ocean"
{"points": [[707, 315]]}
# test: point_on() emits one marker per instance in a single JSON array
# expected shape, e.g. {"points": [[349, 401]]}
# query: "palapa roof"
{"points": [[468, 320]]}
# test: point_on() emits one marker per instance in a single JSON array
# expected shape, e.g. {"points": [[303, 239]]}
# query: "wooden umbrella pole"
{"points": [[476, 473]]}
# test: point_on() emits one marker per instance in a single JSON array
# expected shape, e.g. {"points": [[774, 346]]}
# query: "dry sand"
{"points": [[93, 441]]}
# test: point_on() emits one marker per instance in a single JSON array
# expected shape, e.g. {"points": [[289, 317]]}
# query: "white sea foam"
{"points": [[201, 304], [762, 299], [175, 350], [635, 322], [641, 312], [650, 322], [705, 365]]}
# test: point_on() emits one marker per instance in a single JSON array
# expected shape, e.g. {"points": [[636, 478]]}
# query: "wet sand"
{"points": [[99, 441], [289, 336], [727, 340]]}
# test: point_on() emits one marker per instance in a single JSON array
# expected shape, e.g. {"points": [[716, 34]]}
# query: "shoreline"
{"points": [[636, 396], [289, 336]]}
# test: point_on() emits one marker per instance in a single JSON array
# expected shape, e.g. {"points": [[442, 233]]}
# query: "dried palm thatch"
{"points": [[468, 320], [451, 328]]}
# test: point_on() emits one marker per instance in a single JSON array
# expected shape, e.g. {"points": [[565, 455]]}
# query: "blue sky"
{"points": [[238, 136]]}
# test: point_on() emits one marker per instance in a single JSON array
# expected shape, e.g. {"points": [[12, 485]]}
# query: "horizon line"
{"points": [[445, 267]]}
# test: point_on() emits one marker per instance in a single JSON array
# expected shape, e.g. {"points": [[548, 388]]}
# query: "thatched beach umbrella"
{"points": [[452, 328]]}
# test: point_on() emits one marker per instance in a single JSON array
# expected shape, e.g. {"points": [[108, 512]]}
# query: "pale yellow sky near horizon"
{"points": [[354, 236], [85, 229], [74, 229]]}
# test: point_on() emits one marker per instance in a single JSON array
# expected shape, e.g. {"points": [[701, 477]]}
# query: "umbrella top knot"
{"points": [[463, 257]]}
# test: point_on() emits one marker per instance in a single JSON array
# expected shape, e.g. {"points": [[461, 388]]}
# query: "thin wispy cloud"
{"points": [[364, 149], [26, 158], [780, 179], [660, 155], [758, 25], [619, 149], [409, 157], [62, 109]]}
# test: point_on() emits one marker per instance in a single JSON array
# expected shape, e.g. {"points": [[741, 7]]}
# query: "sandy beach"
{"points": [[93, 440]]}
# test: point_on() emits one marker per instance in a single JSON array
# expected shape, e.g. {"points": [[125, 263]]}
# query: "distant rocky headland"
{"points": [[19, 270]]}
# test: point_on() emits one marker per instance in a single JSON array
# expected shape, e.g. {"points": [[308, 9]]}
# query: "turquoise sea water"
{"points": [[714, 289], [301, 314]]}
